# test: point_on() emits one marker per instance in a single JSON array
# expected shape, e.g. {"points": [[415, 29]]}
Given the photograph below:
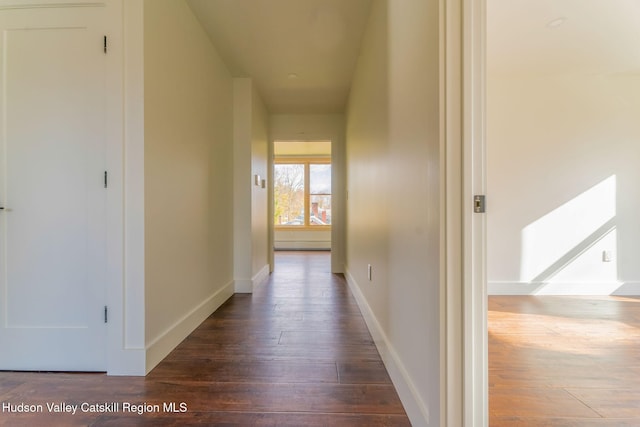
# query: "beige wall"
{"points": [[259, 200], [188, 171], [393, 197], [562, 153], [250, 136], [367, 166]]}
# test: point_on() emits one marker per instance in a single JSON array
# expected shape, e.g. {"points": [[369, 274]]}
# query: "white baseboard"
{"points": [[511, 288], [127, 362], [243, 286], [246, 286], [167, 341], [526, 288], [631, 289], [261, 276], [416, 409], [288, 245]]}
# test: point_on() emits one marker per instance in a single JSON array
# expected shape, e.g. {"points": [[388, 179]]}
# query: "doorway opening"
{"points": [[561, 133], [302, 195]]}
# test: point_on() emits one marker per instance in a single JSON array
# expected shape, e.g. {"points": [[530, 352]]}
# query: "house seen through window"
{"points": [[302, 184]]}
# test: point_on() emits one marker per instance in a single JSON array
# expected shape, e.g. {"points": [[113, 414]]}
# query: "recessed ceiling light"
{"points": [[292, 76], [556, 22]]}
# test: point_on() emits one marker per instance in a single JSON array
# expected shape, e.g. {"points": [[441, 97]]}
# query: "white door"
{"points": [[52, 189]]}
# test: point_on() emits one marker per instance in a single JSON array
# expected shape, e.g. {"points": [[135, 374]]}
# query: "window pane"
{"points": [[289, 194], [320, 210], [320, 179]]}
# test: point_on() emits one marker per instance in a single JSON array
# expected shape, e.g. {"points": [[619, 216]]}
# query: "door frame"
{"points": [[474, 170], [125, 356], [464, 298]]}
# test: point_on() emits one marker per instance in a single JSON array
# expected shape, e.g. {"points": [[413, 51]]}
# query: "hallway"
{"points": [[295, 353]]}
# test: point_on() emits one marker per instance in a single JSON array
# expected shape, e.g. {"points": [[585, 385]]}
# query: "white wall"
{"points": [[318, 127], [563, 175], [188, 99], [250, 136], [393, 197]]}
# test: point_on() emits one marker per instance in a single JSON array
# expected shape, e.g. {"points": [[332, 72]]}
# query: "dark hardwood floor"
{"points": [[564, 361], [298, 353], [295, 353]]}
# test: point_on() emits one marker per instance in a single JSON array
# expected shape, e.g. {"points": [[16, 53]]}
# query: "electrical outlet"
{"points": [[369, 271]]}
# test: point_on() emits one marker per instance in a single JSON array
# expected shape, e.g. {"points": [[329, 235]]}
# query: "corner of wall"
{"points": [[247, 286], [260, 276], [242, 244], [170, 338], [243, 286]]}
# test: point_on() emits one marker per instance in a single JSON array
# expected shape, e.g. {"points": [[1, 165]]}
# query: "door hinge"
{"points": [[105, 44], [106, 314], [479, 204], [106, 179]]}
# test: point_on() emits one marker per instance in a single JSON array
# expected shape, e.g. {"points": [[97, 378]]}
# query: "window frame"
{"points": [[305, 161]]}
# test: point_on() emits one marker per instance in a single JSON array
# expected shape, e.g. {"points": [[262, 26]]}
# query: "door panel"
{"points": [[52, 229]]}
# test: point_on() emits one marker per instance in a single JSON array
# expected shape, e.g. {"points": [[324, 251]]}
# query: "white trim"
{"points": [[476, 388], [630, 289], [129, 362], [125, 159], [574, 288], [119, 361], [511, 288], [464, 350], [125, 259], [302, 245], [261, 276], [169, 339], [416, 409], [39, 4]]}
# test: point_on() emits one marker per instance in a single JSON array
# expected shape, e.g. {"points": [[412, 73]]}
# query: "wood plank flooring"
{"points": [[295, 353], [298, 353], [564, 361]]}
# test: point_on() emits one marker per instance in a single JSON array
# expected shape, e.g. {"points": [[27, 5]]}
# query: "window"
{"points": [[302, 193]]}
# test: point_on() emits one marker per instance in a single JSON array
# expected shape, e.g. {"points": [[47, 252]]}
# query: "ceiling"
{"points": [[301, 54], [596, 37]]}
